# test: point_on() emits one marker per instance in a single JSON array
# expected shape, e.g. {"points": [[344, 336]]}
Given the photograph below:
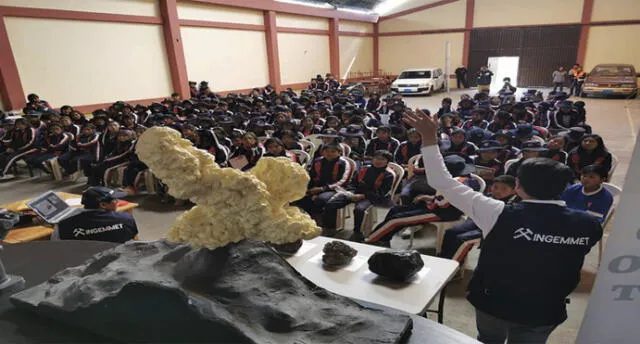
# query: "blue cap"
{"points": [[533, 146], [489, 145]]}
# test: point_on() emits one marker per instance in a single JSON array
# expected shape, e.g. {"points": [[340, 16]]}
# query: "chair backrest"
{"points": [[414, 159], [353, 165], [538, 138], [303, 157], [346, 150], [308, 146], [508, 164], [314, 139], [483, 184], [262, 139], [614, 164], [398, 173], [615, 191]]}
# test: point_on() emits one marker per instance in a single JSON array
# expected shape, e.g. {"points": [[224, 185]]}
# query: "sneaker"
{"points": [[406, 234], [356, 237], [6, 177]]}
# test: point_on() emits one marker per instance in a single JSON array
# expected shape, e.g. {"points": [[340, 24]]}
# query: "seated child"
{"points": [[328, 136], [82, 151], [276, 148], [409, 148], [55, 143], [487, 157], [120, 155], [556, 150], [459, 143], [530, 149], [477, 120], [503, 189], [370, 186], [382, 141], [249, 149], [590, 151], [446, 124], [290, 140], [354, 138], [426, 208], [508, 152], [589, 195], [326, 175], [18, 144]]}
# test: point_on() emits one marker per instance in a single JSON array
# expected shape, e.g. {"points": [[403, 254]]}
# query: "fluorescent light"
{"points": [[310, 4], [353, 10], [387, 6]]}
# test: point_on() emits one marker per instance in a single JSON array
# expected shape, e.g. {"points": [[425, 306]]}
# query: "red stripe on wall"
{"points": [[468, 25], [221, 25], [302, 31], [273, 58], [175, 49], [43, 13], [334, 47], [376, 49]]}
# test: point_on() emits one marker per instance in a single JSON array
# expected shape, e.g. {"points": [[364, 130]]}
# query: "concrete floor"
{"points": [[616, 120]]}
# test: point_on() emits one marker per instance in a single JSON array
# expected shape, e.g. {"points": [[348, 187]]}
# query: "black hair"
{"points": [[561, 136], [333, 145], [32, 96], [544, 178], [383, 154], [384, 128], [89, 126], [506, 179], [275, 140], [601, 149], [447, 100], [175, 94], [597, 169]]}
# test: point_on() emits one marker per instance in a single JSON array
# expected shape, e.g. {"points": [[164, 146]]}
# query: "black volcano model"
{"points": [[243, 293]]}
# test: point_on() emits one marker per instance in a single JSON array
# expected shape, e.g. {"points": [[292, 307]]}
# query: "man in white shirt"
{"points": [[532, 252]]}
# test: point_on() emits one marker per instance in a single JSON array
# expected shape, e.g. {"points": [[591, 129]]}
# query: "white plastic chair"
{"points": [[308, 146], [303, 157], [538, 138], [114, 176], [56, 170], [614, 164], [346, 150], [313, 138], [415, 162], [341, 215], [616, 192], [508, 164]]}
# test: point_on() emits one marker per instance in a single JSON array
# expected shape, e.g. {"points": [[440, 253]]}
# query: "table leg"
{"points": [[440, 309]]}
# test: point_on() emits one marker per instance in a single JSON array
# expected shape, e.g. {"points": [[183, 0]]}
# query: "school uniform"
{"points": [[579, 158], [395, 118], [377, 144], [283, 154], [373, 105], [563, 120], [466, 148], [509, 288], [373, 182], [496, 126], [508, 153], [208, 143], [23, 143], [557, 155], [83, 150], [329, 175], [541, 119], [406, 151], [596, 203], [496, 165], [401, 217], [108, 143], [443, 110], [72, 129], [120, 156], [53, 146], [467, 125], [252, 155]]}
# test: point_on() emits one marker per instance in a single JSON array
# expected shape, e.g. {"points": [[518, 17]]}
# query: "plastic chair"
{"points": [[56, 170], [346, 150], [508, 164], [308, 146], [482, 182], [614, 164], [313, 138], [539, 139], [303, 157], [114, 176], [341, 215], [616, 192]]}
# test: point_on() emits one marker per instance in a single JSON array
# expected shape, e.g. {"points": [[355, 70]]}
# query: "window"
{"points": [[423, 74], [612, 71]]}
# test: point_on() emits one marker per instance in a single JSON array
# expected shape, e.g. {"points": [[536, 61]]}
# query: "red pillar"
{"points": [[273, 58], [468, 26], [376, 50], [334, 46], [175, 50], [13, 97], [587, 9]]}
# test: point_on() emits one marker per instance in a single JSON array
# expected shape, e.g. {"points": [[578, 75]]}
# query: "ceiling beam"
{"points": [[417, 9], [282, 7]]}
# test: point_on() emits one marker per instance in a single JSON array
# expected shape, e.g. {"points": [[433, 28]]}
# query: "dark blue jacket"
{"points": [[98, 224]]}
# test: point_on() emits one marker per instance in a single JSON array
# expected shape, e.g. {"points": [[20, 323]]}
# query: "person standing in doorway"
{"points": [[483, 79], [461, 77], [559, 77]]}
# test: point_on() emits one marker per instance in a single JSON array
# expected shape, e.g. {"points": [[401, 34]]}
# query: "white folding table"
{"points": [[357, 282]]}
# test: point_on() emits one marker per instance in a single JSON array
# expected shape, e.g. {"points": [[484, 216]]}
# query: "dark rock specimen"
{"points": [[161, 292], [289, 248], [396, 265], [337, 253]]}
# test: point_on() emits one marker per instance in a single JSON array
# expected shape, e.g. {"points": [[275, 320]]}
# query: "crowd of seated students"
{"points": [[486, 136]]}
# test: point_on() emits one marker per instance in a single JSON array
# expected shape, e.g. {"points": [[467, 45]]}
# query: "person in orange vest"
{"points": [[577, 75]]}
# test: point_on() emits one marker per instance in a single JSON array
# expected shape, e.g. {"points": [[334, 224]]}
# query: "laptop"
{"points": [[52, 208]]}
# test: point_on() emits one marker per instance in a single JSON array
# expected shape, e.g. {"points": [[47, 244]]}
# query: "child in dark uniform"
{"points": [[556, 149], [459, 143], [382, 141], [488, 154], [249, 149], [327, 175], [409, 148], [591, 151], [54, 145], [276, 148], [530, 149], [120, 155]]}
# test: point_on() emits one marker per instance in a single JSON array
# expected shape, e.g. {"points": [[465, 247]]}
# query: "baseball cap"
{"points": [[93, 196]]}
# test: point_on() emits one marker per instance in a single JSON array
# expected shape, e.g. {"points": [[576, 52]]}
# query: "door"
{"points": [[503, 67]]}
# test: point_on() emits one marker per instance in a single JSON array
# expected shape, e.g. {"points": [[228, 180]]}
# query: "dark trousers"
{"points": [[400, 217], [576, 88], [455, 236], [462, 80], [492, 330], [315, 204], [36, 160], [558, 84], [341, 201], [8, 159], [69, 161], [97, 172], [131, 172]]}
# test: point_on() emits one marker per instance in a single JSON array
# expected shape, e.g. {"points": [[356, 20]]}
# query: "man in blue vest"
{"points": [[99, 221], [532, 252]]}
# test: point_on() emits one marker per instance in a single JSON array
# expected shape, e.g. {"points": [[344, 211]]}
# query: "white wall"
{"points": [[302, 57], [82, 63]]}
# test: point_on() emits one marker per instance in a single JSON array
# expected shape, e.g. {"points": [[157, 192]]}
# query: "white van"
{"points": [[419, 81]]}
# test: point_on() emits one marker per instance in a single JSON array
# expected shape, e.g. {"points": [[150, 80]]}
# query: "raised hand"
{"points": [[427, 126]]}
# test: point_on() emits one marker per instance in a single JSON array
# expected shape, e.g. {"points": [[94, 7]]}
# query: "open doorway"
{"points": [[503, 67]]}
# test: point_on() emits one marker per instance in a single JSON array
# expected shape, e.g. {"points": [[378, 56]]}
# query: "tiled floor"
{"points": [[616, 120]]}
